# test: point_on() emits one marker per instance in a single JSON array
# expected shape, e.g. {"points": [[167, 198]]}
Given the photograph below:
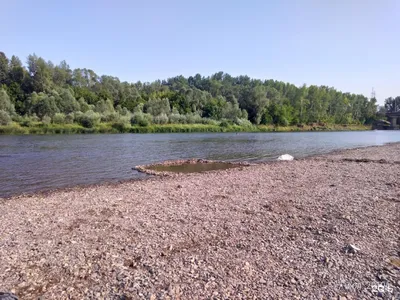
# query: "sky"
{"points": [[352, 45]]}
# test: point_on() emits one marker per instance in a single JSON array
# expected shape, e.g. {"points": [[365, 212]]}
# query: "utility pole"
{"points": [[373, 94]]}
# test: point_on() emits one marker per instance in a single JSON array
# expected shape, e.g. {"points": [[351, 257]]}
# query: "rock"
{"points": [[382, 277], [351, 249], [286, 157]]}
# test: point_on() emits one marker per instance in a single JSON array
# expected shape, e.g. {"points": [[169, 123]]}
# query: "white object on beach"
{"points": [[285, 157]]}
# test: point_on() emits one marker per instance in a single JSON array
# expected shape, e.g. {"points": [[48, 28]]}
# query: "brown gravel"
{"points": [[283, 230]]}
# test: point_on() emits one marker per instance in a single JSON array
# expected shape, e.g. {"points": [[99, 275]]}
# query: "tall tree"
{"points": [[3, 68]]}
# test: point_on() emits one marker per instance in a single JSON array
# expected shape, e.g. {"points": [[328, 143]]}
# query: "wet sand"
{"points": [[319, 228]]}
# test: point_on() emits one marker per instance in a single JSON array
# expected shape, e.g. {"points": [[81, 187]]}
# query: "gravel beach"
{"points": [[325, 227]]}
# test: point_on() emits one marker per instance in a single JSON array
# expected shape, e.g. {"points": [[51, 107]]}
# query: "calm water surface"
{"points": [[33, 163]]}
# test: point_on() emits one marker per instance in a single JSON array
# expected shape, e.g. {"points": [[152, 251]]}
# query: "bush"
{"points": [[88, 119], [34, 118], [224, 123], [157, 107], [110, 117], [283, 121], [25, 121], [160, 119], [245, 114], [78, 115], [141, 119], [243, 122], [208, 121], [13, 129], [121, 126], [176, 118], [17, 118], [193, 119], [59, 118], [266, 119], [5, 118], [46, 120], [69, 119]]}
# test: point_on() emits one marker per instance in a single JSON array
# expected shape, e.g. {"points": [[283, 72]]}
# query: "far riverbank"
{"points": [[40, 128]]}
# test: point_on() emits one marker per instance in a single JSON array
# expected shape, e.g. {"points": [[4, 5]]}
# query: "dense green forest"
{"points": [[40, 92]]}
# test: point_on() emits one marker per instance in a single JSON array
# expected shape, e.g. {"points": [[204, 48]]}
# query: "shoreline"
{"points": [[105, 128], [272, 230]]}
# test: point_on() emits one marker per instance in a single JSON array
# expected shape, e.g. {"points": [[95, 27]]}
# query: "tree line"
{"points": [[39, 91]]}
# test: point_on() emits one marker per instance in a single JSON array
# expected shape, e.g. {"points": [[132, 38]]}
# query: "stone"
{"points": [[286, 157], [351, 249]]}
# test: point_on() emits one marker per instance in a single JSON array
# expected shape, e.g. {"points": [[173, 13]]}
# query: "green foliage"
{"points": [[121, 125], [177, 118], [225, 123], [42, 104], [277, 115], [5, 102], [39, 128], [46, 120], [194, 119], [209, 121], [156, 107], [243, 122], [69, 119], [109, 116], [88, 119], [214, 108], [67, 102], [141, 119], [96, 103], [59, 118], [84, 106], [160, 119], [3, 68], [5, 118], [104, 107]]}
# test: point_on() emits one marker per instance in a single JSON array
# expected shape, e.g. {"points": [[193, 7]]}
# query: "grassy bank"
{"points": [[40, 128]]}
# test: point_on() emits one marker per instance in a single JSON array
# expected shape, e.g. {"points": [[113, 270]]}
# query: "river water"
{"points": [[33, 163]]}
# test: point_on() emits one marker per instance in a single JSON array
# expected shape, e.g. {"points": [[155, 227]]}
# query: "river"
{"points": [[41, 162]]}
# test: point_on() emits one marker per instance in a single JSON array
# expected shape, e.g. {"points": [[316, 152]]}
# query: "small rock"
{"points": [[351, 249], [286, 157], [267, 207], [382, 277]]}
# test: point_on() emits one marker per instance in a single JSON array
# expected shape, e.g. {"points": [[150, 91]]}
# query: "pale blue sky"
{"points": [[352, 45]]}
